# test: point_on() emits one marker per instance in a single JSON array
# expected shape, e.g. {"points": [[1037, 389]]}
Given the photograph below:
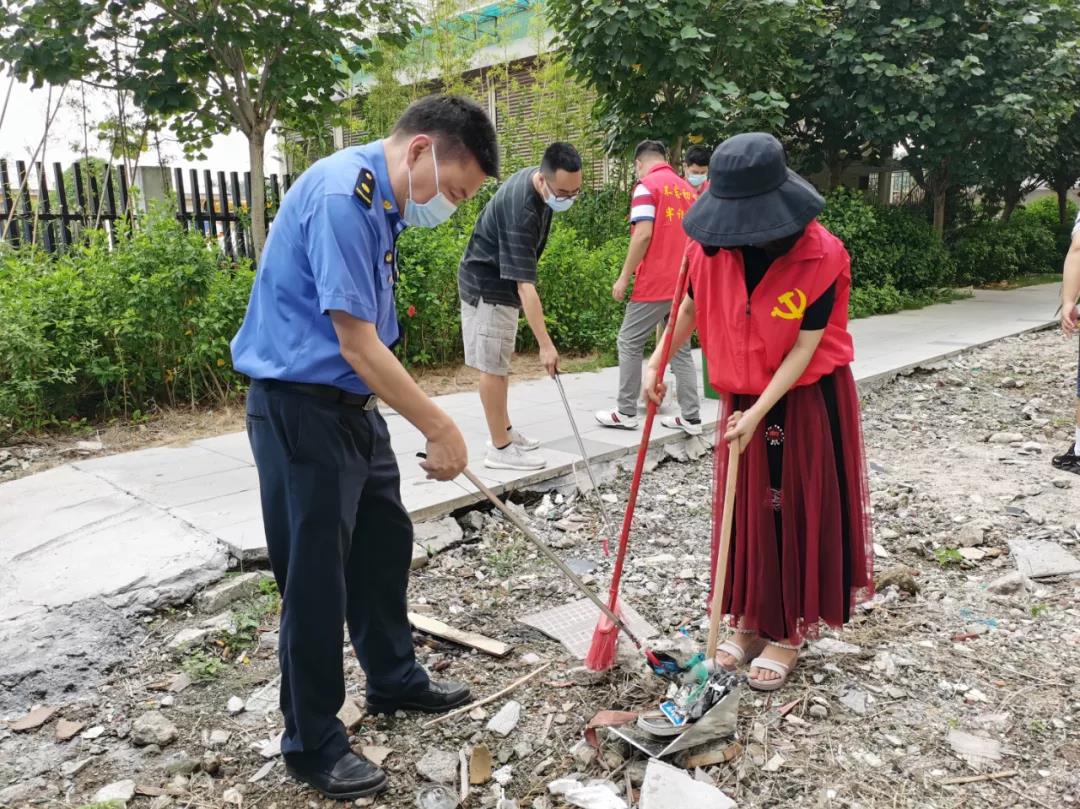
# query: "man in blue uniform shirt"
{"points": [[315, 342]]}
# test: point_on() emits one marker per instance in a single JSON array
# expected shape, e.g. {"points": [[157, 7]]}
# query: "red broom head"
{"points": [[605, 640]]}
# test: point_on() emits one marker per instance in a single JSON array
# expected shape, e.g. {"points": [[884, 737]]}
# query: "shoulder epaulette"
{"points": [[365, 187]]}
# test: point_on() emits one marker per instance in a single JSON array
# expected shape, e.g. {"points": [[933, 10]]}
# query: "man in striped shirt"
{"points": [[497, 281], [657, 242]]}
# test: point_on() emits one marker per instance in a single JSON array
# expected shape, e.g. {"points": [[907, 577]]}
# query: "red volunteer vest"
{"points": [[745, 340], [672, 196]]}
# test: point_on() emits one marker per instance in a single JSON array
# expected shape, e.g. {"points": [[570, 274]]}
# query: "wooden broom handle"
{"points": [[720, 574]]}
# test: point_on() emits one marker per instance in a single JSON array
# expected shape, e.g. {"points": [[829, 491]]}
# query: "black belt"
{"points": [[328, 393]]}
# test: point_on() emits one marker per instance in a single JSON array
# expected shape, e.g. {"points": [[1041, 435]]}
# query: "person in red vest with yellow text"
{"points": [[770, 288], [658, 204]]}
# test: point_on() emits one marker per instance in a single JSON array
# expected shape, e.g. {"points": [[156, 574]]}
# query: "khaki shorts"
{"points": [[489, 332]]}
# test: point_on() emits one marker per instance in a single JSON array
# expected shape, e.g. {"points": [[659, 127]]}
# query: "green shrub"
{"points": [[1044, 211], [994, 251], [575, 286], [890, 248], [103, 331]]}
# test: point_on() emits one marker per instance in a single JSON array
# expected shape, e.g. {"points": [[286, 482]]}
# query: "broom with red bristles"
{"points": [[606, 635]]}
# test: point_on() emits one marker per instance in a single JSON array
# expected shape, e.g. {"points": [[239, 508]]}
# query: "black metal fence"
{"points": [[54, 215]]}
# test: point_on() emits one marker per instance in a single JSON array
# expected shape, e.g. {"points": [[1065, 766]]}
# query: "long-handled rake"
{"points": [[605, 637], [588, 466]]}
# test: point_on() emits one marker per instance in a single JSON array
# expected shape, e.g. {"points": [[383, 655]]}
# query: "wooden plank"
{"points": [[226, 218], [181, 200], [196, 203], [211, 207], [44, 213], [27, 213], [474, 640], [238, 206], [62, 204]]}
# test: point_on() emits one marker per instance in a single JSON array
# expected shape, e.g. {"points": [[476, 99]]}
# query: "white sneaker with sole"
{"points": [[522, 442], [679, 423], [511, 457], [613, 418]]}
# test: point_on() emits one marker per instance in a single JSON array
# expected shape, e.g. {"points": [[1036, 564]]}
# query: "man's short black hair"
{"points": [[697, 156], [460, 127], [560, 155], [651, 147]]}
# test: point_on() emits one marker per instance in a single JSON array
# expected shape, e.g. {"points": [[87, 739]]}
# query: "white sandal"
{"points": [[740, 654], [775, 666]]}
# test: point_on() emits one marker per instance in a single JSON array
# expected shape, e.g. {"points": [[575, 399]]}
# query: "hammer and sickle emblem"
{"points": [[791, 310]]}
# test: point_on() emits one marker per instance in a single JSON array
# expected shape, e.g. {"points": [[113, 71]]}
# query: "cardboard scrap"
{"points": [[607, 719], [35, 719], [66, 729]]}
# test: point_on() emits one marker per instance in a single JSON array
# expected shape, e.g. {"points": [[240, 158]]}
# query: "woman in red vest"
{"points": [[768, 295]]}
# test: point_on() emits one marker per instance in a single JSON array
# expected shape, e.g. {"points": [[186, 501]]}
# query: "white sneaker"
{"points": [[679, 423], [522, 442], [613, 418], [511, 457]]}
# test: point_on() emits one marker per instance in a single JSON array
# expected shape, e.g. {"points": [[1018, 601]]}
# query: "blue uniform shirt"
{"points": [[331, 246]]}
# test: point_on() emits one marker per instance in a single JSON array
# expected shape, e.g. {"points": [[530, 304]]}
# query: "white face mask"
{"points": [[435, 211]]}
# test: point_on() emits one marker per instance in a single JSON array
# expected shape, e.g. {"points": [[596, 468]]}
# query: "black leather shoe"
{"points": [[352, 777], [436, 697]]}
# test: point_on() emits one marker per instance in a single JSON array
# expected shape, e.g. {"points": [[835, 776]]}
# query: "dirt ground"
{"points": [[181, 426], [957, 686]]}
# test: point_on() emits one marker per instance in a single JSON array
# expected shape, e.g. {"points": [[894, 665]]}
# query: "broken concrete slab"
{"points": [[66, 729], [420, 557], [572, 624], [436, 536], [667, 787], [122, 791], [978, 751], [1038, 558], [266, 699], [232, 589]]}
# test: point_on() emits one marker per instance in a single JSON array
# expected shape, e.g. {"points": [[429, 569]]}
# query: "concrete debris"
{"points": [[122, 791], [1036, 558], [219, 738], [350, 714], [233, 797], [232, 589], [831, 647], [855, 701], [377, 755], [503, 775], [978, 751], [153, 727], [266, 699], [438, 536], [439, 766], [504, 722], [92, 733], [667, 787], [234, 706], [900, 576]]}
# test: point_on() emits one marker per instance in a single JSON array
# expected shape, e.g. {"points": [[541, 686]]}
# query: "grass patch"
{"points": [[202, 667], [1028, 280], [948, 556]]}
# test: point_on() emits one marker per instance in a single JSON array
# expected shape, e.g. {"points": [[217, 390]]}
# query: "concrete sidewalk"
{"points": [[148, 527]]}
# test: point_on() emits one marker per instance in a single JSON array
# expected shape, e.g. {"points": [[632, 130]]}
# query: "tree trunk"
{"points": [[256, 144], [676, 152], [1012, 199], [1063, 206], [836, 171], [939, 209]]}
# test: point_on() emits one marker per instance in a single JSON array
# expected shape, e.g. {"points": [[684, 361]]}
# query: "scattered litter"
{"points": [[35, 719], [503, 775], [596, 794], [667, 787], [480, 765], [66, 729], [830, 647], [268, 748], [474, 640], [262, 772], [716, 755], [233, 796], [437, 798], [572, 624], [977, 751], [234, 706], [606, 719], [92, 733]]}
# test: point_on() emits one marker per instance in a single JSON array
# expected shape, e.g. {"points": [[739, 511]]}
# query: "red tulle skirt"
{"points": [[801, 548]]}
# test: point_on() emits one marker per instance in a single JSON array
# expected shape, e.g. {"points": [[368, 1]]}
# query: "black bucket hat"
{"points": [[753, 196]]}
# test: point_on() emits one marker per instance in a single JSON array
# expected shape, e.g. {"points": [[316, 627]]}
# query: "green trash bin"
{"points": [[709, 392]]}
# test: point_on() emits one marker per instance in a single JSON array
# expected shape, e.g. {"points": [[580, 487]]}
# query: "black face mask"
{"points": [[778, 247]]}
